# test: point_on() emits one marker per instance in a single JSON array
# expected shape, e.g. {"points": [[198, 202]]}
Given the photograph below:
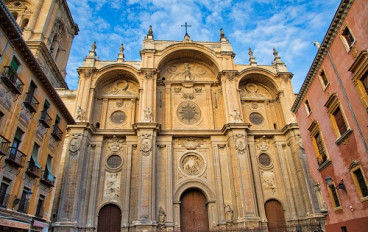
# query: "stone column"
{"points": [[219, 186], [229, 90], [146, 204]]}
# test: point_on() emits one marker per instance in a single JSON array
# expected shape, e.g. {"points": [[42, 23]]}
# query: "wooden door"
{"points": [[193, 212], [275, 216], [109, 219]]}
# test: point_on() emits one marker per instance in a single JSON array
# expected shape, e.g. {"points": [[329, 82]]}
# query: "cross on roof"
{"points": [[186, 27]]}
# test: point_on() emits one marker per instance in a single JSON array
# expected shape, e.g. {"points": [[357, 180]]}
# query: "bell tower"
{"points": [[49, 30]]}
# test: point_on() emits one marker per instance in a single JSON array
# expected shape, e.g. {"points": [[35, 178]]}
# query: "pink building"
{"points": [[331, 110]]}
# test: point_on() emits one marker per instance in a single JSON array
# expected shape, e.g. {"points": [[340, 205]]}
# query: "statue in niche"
{"points": [[79, 116], [147, 116], [235, 117], [228, 213], [187, 73], [161, 219]]}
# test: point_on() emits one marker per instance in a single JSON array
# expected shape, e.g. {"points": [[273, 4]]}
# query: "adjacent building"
{"points": [[183, 139], [33, 118], [331, 110]]}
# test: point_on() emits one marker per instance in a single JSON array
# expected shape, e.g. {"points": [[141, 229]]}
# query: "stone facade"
{"points": [[331, 110], [184, 117]]}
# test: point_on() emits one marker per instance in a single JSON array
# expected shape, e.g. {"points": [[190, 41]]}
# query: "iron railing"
{"points": [[31, 103], [45, 119], [33, 170], [57, 133], [45, 179], [15, 157], [4, 146], [11, 80]]}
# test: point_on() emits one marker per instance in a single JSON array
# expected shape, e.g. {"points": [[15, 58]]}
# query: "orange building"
{"points": [[331, 110]]}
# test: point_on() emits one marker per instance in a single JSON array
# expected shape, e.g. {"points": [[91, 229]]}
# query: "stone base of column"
{"points": [[143, 226], [65, 227]]}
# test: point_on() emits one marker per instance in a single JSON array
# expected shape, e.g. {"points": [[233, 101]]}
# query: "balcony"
{"points": [[45, 119], [57, 133], [23, 205], [4, 146], [31, 103], [48, 179], [15, 157], [4, 199], [11, 80], [33, 170]]}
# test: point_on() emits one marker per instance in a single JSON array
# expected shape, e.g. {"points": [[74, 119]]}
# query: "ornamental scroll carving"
{"points": [[240, 143], [115, 144], [185, 72], [75, 143], [263, 144], [80, 115], [191, 143], [146, 144]]}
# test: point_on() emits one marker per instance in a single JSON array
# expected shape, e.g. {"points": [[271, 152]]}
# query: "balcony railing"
{"points": [[23, 206], [46, 180], [45, 119], [33, 170], [31, 103], [4, 146], [15, 157], [11, 80], [57, 133], [4, 199]]}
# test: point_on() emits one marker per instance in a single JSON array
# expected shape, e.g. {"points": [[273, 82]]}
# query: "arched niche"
{"points": [[115, 100], [259, 98]]}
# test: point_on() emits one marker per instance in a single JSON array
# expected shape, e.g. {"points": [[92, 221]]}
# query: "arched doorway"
{"points": [[193, 211], [275, 216], [109, 219]]}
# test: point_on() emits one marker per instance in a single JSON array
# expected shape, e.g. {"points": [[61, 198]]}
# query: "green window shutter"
{"points": [[14, 64], [18, 134], [34, 156], [50, 175]]}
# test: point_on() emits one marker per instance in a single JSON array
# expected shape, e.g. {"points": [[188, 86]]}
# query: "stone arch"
{"points": [[109, 71], [194, 184], [108, 203], [261, 76]]}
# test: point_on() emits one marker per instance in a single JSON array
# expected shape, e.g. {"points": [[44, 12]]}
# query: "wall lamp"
{"points": [[340, 185]]}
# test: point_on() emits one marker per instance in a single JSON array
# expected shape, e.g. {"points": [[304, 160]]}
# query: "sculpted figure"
{"points": [[235, 116], [147, 117]]}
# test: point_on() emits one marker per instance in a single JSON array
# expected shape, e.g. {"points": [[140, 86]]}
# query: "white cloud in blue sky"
{"points": [[290, 26]]}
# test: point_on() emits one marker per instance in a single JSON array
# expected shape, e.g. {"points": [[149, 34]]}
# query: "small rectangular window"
{"points": [[348, 36], [39, 209], [324, 79], [335, 196], [361, 182], [308, 107], [321, 157], [46, 105], [364, 80], [14, 64], [344, 229], [4, 196], [340, 121], [17, 138]]}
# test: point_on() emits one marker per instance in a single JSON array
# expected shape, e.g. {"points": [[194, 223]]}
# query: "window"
{"points": [[4, 196], [30, 101], [344, 229], [323, 79], [24, 200], [318, 145], [14, 64], [48, 175], [360, 76], [334, 196], [338, 120], [359, 179], [16, 142], [45, 118], [39, 209], [307, 107], [348, 38], [34, 157]]}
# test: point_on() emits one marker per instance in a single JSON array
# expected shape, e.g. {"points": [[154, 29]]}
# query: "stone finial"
{"points": [[222, 35], [277, 59], [92, 52], [252, 60], [121, 53], [94, 46], [150, 33]]}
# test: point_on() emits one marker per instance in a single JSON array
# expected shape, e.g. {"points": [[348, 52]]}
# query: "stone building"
{"points": [[33, 118], [331, 110], [183, 139]]}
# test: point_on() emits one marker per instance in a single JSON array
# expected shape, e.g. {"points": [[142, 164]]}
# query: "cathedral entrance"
{"points": [[275, 216], [109, 219], [193, 211]]}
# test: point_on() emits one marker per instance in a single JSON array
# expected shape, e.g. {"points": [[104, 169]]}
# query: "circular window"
{"points": [[188, 112], [264, 159], [118, 117], [256, 118], [114, 161]]}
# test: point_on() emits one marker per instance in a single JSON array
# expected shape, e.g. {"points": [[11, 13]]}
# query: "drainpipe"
{"points": [[346, 97]]}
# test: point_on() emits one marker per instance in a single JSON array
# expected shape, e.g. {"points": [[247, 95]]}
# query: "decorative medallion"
{"points": [[254, 106], [240, 143], [114, 161], [146, 144], [264, 159], [192, 164], [120, 103], [188, 112], [256, 118], [75, 143], [115, 144], [177, 89], [121, 85], [118, 117]]}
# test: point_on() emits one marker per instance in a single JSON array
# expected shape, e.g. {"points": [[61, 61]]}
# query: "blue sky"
{"points": [[290, 26]]}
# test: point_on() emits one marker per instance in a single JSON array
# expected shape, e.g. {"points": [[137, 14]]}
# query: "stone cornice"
{"points": [[74, 25], [14, 35], [335, 25]]}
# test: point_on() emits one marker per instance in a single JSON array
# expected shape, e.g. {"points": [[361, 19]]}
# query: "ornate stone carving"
{"points": [[161, 220], [115, 144], [87, 73], [191, 143], [254, 106], [268, 181], [230, 75], [146, 144], [192, 164], [177, 89], [228, 213], [112, 186], [147, 115], [240, 143], [235, 117], [119, 102], [119, 87], [188, 96], [221, 146], [185, 72], [74, 144], [188, 112], [262, 144], [149, 75], [198, 89], [80, 115]]}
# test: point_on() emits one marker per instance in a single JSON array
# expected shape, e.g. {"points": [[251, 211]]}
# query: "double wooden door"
{"points": [[275, 216], [109, 219], [193, 212]]}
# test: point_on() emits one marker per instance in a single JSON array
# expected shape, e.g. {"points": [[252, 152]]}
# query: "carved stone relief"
{"points": [[80, 115], [228, 213], [120, 87], [252, 91], [115, 144], [186, 72], [262, 144], [268, 181], [188, 112], [74, 144], [191, 143], [192, 164], [147, 115], [112, 186], [235, 117], [240, 143], [161, 220], [146, 144]]}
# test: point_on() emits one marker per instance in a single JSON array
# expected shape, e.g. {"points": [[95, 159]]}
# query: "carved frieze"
{"points": [[75, 143], [235, 117], [262, 144], [188, 96], [191, 143], [185, 72]]}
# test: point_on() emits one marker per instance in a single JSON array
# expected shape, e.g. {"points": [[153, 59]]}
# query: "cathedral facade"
{"points": [[184, 139]]}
